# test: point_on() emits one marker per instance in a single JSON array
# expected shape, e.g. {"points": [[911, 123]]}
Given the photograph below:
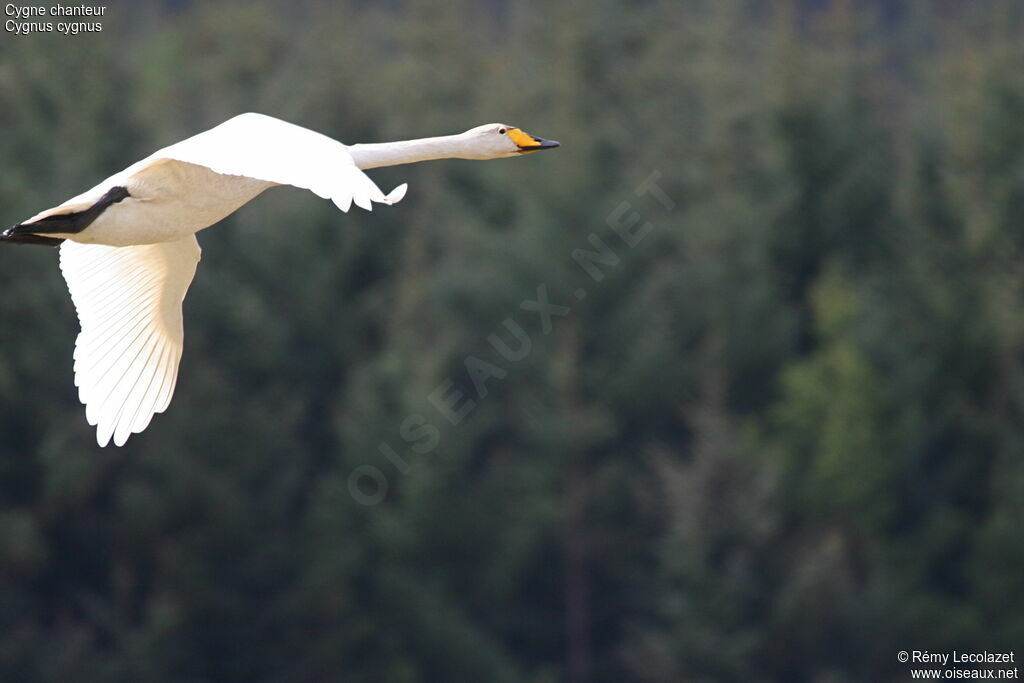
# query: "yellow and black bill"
{"points": [[528, 143]]}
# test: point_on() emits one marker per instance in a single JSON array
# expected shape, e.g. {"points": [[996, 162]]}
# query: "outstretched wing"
{"points": [[129, 305], [261, 147], [265, 148]]}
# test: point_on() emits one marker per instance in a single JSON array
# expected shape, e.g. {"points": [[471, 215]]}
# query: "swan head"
{"points": [[498, 140]]}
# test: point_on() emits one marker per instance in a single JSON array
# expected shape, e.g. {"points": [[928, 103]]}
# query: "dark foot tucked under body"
{"points": [[66, 224], [30, 239]]}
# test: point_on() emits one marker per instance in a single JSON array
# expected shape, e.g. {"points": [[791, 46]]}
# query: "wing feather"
{"points": [[265, 148], [129, 306], [148, 403], [140, 381]]}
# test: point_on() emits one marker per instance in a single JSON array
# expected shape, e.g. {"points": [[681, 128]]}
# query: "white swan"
{"points": [[128, 249]]}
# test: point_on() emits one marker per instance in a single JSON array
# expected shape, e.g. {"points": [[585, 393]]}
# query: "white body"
{"points": [[154, 212], [181, 189], [129, 270]]}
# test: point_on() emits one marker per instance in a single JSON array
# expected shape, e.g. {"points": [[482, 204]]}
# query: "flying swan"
{"points": [[128, 249]]}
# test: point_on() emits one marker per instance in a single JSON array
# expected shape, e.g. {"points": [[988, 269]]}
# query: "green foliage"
{"points": [[779, 440]]}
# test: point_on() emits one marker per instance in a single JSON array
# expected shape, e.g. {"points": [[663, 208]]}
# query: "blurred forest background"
{"points": [[780, 440]]}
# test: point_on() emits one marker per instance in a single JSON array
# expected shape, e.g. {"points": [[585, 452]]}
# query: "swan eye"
{"points": [[501, 131]]}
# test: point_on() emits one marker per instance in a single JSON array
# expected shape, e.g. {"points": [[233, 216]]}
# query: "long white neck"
{"points": [[376, 154]]}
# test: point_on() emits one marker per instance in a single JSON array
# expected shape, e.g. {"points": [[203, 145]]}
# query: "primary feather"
{"points": [[129, 307]]}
